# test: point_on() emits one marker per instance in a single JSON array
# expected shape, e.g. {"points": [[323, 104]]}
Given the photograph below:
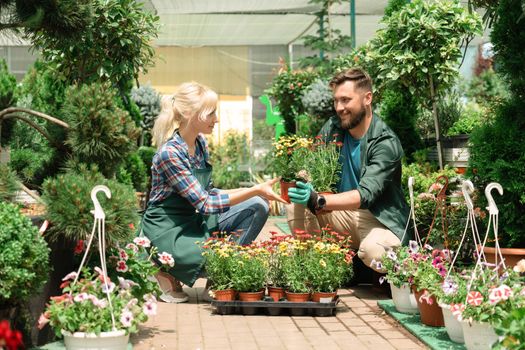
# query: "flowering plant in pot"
{"points": [[293, 253], [326, 265], [220, 254], [249, 271], [321, 164], [491, 298], [430, 268], [92, 304], [134, 262], [275, 277], [397, 263]]}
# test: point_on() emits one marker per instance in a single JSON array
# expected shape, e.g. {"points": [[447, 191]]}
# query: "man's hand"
{"points": [[301, 194]]}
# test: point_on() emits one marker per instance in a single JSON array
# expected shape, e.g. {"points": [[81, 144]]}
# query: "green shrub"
{"points": [[148, 101], [134, 172], [101, 133], [472, 117], [227, 158], [400, 111], [486, 88], [497, 153], [24, 264], [8, 183], [69, 204], [7, 98]]}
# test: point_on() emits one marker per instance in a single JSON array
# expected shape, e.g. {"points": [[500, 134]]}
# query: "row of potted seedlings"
{"points": [[296, 268]]}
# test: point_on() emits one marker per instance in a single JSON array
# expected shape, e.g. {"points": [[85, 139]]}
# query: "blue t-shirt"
{"points": [[351, 160]]}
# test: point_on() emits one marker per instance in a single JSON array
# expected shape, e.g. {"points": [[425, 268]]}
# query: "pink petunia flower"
{"points": [[142, 242], [166, 259], [122, 254], [150, 308], [126, 318], [122, 266]]}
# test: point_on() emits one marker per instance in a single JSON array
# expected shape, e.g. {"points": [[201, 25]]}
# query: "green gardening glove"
{"points": [[301, 194]]}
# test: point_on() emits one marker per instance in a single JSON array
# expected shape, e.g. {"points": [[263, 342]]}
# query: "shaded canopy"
{"points": [[255, 22]]}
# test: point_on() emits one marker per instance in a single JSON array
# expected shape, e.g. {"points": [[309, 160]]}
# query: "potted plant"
{"points": [[219, 253], [326, 266], [284, 163], [94, 310], [321, 164], [449, 294], [24, 259], [397, 264], [491, 297], [275, 277], [293, 252], [249, 272], [430, 266]]}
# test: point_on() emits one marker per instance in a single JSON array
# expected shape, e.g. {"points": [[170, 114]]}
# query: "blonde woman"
{"points": [[183, 208]]}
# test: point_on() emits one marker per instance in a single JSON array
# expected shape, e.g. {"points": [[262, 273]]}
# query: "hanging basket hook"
{"points": [[98, 212], [492, 208], [467, 188]]}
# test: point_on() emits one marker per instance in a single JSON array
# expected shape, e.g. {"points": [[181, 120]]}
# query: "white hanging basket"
{"points": [[452, 325], [404, 299], [114, 340], [478, 336]]}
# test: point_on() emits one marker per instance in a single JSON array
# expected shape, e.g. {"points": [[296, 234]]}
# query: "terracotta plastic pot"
{"points": [[431, 314], [297, 297], [285, 185], [251, 296], [276, 293], [224, 295], [511, 255], [323, 297]]}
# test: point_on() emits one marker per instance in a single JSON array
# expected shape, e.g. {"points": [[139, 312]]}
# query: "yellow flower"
{"points": [[322, 263]]}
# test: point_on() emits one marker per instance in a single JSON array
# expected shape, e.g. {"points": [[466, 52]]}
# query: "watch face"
{"points": [[321, 202]]}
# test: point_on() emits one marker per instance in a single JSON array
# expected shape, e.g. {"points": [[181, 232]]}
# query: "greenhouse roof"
{"points": [[255, 22]]}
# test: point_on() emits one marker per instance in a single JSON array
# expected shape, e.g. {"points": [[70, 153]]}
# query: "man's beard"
{"points": [[352, 123]]}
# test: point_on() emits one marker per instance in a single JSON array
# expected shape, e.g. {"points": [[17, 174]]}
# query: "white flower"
{"points": [[126, 284], [70, 276], [131, 303], [126, 318], [110, 287], [166, 259], [149, 297], [150, 308], [142, 242], [132, 247], [391, 255], [414, 247], [520, 266], [81, 297]]}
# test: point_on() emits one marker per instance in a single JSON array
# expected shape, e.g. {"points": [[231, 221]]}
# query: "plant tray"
{"points": [[275, 308]]}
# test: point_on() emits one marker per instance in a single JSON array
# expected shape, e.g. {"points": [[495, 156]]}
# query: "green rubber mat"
{"points": [[283, 226], [435, 337]]}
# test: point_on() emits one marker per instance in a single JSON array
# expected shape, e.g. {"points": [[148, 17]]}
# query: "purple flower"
{"points": [[391, 255], [414, 247], [449, 287]]}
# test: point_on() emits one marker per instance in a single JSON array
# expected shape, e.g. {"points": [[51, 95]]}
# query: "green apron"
{"points": [[173, 226]]}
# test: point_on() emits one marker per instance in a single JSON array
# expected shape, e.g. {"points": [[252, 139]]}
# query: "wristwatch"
{"points": [[321, 203]]}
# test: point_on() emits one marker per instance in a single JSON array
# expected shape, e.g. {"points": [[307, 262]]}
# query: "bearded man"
{"points": [[370, 204]]}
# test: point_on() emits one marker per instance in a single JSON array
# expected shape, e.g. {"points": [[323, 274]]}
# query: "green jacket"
{"points": [[380, 183]]}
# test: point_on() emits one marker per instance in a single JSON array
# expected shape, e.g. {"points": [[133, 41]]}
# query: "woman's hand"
{"points": [[265, 190]]}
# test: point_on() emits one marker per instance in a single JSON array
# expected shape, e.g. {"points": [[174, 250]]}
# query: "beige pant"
{"points": [[369, 237]]}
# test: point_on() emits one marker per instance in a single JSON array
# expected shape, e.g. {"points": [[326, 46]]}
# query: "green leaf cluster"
{"points": [[227, 158], [511, 330], [8, 183], [68, 200], [115, 45], [421, 42], [100, 132], [287, 89], [24, 257], [7, 99], [148, 101]]}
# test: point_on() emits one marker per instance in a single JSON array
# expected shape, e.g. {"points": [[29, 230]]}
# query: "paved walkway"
{"points": [[358, 324]]}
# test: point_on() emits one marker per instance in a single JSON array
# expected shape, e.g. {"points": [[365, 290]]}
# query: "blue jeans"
{"points": [[245, 220]]}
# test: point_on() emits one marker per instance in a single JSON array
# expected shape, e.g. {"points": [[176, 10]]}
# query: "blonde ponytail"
{"points": [[190, 99], [165, 123]]}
